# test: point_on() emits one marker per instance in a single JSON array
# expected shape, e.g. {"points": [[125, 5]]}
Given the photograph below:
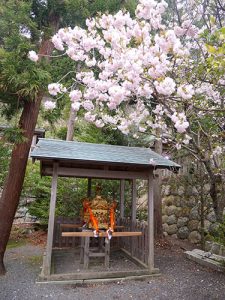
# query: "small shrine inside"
{"points": [[99, 214], [69, 242]]}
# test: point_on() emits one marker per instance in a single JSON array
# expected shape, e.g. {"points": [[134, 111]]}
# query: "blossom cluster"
{"points": [[127, 79], [132, 63]]}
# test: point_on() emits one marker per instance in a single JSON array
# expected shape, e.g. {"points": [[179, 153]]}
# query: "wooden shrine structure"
{"points": [[86, 160]]}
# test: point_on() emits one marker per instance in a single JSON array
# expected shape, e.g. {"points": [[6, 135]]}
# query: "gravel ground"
{"points": [[180, 279]]}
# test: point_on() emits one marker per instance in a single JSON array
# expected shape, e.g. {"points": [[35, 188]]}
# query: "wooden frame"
{"points": [[96, 173], [56, 171], [48, 256]]}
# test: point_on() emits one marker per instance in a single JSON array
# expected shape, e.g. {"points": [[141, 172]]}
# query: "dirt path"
{"points": [[180, 279]]}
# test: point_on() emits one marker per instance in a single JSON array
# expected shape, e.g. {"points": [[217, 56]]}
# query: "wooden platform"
{"points": [[66, 266]]}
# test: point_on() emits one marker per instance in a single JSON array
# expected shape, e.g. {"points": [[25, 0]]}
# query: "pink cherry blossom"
{"points": [[32, 55], [75, 95], [49, 105], [54, 89]]}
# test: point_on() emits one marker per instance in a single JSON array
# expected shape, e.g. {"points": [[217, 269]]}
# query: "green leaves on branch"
{"points": [[14, 135]]}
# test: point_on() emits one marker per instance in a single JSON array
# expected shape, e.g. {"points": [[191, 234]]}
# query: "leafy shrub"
{"points": [[5, 151], [219, 233], [70, 192]]}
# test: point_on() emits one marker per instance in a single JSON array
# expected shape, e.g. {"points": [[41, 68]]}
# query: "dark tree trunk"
{"points": [[14, 181]]}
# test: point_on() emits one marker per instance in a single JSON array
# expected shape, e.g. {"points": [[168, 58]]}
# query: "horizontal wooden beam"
{"points": [[67, 225], [95, 173], [71, 225], [101, 234]]}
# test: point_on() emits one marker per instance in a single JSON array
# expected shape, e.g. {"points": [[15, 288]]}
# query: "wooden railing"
{"points": [[62, 242], [137, 246]]}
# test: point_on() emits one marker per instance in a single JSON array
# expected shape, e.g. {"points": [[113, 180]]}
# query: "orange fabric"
{"points": [[93, 220], [112, 216]]}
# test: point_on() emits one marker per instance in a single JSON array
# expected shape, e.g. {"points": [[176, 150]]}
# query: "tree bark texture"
{"points": [[72, 117], [14, 181], [70, 126]]}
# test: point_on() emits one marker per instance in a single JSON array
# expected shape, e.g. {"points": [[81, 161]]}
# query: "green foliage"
{"points": [[70, 192], [14, 135], [5, 151], [87, 132], [219, 233]]}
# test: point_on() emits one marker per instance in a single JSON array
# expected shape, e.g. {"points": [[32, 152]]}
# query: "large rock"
{"points": [[195, 191], [165, 227], [171, 220], [181, 190], [216, 248], [171, 210], [193, 225], [208, 246], [185, 211], [18, 221], [22, 210], [191, 201], [206, 225], [194, 214], [177, 201], [206, 188], [178, 212], [182, 221], [213, 228], [194, 237], [211, 217], [164, 219], [168, 201], [166, 190], [172, 229], [183, 233], [30, 200]]}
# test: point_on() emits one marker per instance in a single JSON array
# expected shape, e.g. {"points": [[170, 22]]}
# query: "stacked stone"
{"points": [[181, 212], [22, 214]]}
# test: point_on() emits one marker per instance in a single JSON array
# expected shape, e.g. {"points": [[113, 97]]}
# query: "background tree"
{"points": [[29, 25], [148, 78]]}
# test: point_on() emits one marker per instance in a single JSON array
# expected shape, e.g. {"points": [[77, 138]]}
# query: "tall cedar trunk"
{"points": [[14, 181], [72, 117], [158, 232], [70, 126]]}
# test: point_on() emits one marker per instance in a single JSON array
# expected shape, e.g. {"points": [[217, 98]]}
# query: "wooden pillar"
{"points": [[133, 213], [51, 220], [134, 200], [122, 190], [89, 188], [150, 222]]}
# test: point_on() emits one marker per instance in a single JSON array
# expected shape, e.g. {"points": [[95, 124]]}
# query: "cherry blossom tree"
{"points": [[143, 77]]}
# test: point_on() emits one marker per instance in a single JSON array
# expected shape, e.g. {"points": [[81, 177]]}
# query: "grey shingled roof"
{"points": [[76, 151]]}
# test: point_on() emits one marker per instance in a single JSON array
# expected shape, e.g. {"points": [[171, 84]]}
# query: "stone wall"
{"points": [[22, 214], [181, 208]]}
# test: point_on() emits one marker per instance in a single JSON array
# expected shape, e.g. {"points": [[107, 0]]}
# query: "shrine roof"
{"points": [[89, 153]]}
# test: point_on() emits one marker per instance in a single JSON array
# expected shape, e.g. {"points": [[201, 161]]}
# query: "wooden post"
{"points": [[133, 212], [150, 222], [86, 251], [122, 190], [89, 188], [107, 251], [48, 256], [134, 199]]}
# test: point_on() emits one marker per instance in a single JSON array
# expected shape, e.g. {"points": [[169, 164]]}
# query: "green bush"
{"points": [[219, 233], [70, 192], [5, 151]]}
